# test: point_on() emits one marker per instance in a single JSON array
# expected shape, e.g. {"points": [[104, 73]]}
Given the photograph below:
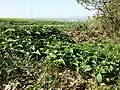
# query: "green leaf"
{"points": [[22, 51], [37, 32], [87, 68], [27, 31], [99, 78], [10, 30], [111, 67], [71, 50], [55, 51], [20, 45], [32, 47], [60, 61], [46, 52], [52, 55], [37, 52], [103, 70], [76, 65]]}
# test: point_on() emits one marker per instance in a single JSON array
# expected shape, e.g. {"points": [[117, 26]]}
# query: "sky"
{"points": [[42, 9]]}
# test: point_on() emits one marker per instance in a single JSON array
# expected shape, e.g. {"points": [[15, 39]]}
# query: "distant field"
{"points": [[20, 21]]}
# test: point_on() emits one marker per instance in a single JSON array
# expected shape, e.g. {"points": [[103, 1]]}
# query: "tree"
{"points": [[107, 12]]}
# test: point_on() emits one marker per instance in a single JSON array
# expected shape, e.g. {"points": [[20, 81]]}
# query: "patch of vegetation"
{"points": [[45, 57]]}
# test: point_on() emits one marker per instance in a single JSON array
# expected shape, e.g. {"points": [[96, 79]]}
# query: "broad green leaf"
{"points": [[55, 51], [61, 61], [71, 50], [52, 55], [37, 32], [87, 68], [19, 45], [99, 78], [103, 70], [22, 51], [111, 67]]}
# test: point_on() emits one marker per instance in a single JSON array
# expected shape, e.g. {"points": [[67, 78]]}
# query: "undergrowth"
{"points": [[40, 57]]}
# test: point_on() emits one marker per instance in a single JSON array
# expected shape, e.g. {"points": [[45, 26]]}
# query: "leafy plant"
{"points": [[35, 52]]}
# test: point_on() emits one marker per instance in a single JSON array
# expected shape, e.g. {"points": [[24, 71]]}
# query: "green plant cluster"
{"points": [[26, 42], [22, 48], [101, 61]]}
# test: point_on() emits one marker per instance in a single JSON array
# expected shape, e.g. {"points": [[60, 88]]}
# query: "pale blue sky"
{"points": [[42, 9]]}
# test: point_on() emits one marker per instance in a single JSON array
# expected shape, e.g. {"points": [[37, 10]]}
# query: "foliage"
{"points": [[34, 55], [27, 42], [21, 48], [107, 14], [100, 60], [110, 16]]}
